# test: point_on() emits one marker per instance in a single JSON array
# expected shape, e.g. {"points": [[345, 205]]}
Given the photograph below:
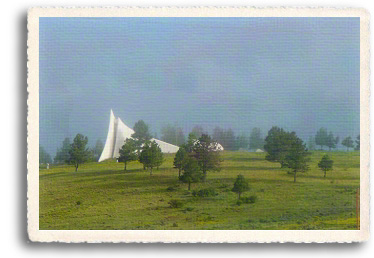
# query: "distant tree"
{"points": [[173, 135], [311, 143], [337, 139], [348, 142], [128, 152], [179, 159], [198, 131], [151, 155], [241, 142], [206, 154], [240, 185], [191, 171], [44, 157], [78, 152], [297, 156], [98, 149], [62, 154], [277, 144], [321, 138], [331, 141], [325, 164], [255, 139], [141, 134], [218, 134], [229, 139], [357, 143]]}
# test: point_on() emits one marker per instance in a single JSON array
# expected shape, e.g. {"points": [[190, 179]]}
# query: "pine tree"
{"points": [[191, 171], [151, 155], [206, 154], [240, 185], [127, 152], [78, 152], [325, 164]]}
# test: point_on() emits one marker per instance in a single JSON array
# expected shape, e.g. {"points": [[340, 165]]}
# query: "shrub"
{"points": [[175, 203], [207, 192], [78, 202], [252, 199], [189, 209], [239, 202]]}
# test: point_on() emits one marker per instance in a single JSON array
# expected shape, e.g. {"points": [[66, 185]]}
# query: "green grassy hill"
{"points": [[103, 196]]}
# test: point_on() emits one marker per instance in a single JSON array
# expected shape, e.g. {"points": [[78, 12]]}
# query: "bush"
{"points": [[175, 203], [239, 202], [250, 199], [207, 192], [189, 209]]}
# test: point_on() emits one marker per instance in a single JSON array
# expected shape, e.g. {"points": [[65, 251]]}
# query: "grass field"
{"points": [[102, 196]]}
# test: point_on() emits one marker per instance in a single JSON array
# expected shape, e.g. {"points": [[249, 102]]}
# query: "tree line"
{"points": [[324, 139]]}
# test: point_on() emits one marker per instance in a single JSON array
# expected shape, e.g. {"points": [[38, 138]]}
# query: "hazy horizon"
{"points": [[300, 74]]}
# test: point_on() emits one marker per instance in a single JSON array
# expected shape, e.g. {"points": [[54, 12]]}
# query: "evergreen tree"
{"points": [[151, 155], [321, 138], [78, 152], [141, 134], [206, 154], [240, 185], [348, 142], [179, 159], [62, 154], [297, 156], [191, 171], [325, 164], [128, 152], [277, 144]]}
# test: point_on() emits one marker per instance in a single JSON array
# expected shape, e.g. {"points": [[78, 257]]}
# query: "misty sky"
{"points": [[297, 73]]}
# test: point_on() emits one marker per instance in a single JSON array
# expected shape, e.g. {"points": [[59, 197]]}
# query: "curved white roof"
{"points": [[118, 132]]}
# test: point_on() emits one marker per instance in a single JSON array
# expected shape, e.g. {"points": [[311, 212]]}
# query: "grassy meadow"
{"points": [[103, 196]]}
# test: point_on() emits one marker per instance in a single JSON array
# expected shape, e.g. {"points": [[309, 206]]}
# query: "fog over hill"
{"points": [[297, 73]]}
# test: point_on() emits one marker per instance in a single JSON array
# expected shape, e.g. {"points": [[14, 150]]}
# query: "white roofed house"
{"points": [[118, 132]]}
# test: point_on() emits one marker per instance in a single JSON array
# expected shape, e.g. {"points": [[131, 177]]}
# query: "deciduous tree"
{"points": [[321, 137], [348, 142]]}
